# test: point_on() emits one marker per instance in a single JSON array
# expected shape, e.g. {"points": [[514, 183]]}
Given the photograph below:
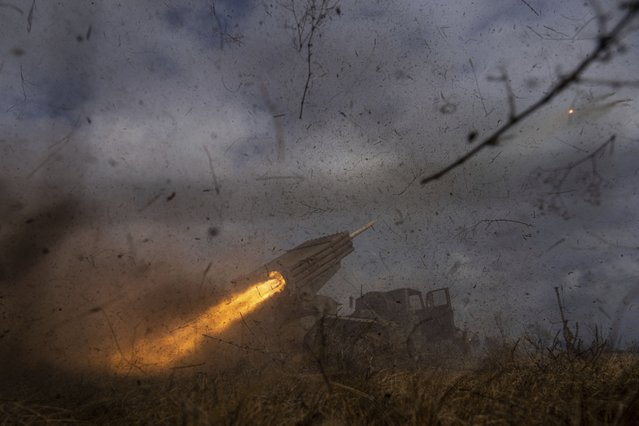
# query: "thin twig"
{"points": [[247, 347], [530, 7], [117, 343], [12, 7], [24, 92], [30, 16], [220, 28], [181, 367], [309, 71], [408, 186], [291, 177], [511, 96], [489, 222], [279, 132], [55, 148], [213, 176], [206, 271], [556, 178], [481, 98], [315, 15]]}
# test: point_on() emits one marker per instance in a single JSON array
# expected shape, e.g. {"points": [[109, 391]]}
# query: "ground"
{"points": [[507, 386]]}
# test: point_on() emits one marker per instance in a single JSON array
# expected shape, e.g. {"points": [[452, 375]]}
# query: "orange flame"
{"points": [[160, 353]]}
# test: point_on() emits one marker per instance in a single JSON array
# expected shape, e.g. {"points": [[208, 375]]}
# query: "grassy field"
{"points": [[506, 387]]}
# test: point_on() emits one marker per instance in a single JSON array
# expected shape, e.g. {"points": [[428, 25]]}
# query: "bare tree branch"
{"points": [[306, 27], [600, 52], [592, 179]]}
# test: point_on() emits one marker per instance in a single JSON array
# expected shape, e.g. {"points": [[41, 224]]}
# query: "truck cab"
{"points": [[425, 318]]}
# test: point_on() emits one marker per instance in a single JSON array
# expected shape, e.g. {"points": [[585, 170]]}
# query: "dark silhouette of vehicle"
{"points": [[401, 323], [388, 328]]}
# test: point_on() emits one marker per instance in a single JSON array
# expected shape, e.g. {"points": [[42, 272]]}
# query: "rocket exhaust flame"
{"points": [[162, 352], [307, 267]]}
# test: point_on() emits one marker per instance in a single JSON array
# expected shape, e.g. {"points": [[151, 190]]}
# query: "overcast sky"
{"points": [[143, 140]]}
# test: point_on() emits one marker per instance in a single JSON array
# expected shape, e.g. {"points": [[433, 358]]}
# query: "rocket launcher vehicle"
{"points": [[281, 297], [307, 267]]}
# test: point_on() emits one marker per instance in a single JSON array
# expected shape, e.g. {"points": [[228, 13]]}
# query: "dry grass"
{"points": [[508, 387]]}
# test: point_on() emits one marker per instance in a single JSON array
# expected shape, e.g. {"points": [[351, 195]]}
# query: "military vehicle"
{"points": [[387, 328], [400, 321]]}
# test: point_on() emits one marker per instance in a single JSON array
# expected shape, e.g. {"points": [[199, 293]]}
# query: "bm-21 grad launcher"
{"points": [[303, 270], [384, 326]]}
